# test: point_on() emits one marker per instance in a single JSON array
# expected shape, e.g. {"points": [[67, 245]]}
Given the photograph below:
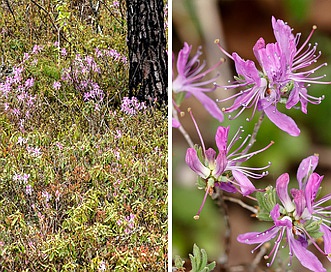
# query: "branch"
{"points": [[241, 203], [219, 200], [182, 129], [255, 131], [51, 19]]}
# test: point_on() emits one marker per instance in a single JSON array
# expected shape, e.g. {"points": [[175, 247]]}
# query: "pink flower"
{"points": [[63, 52], [36, 49], [283, 226], [190, 80], [57, 85], [281, 79], [299, 216], [224, 169]]}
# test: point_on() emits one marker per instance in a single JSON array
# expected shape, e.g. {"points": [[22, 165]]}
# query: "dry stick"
{"points": [[241, 203], [10, 9], [219, 200], [182, 130], [255, 131], [50, 17]]}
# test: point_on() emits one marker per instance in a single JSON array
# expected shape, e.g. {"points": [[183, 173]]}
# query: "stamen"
{"points": [[217, 41], [198, 130], [197, 216], [308, 38]]}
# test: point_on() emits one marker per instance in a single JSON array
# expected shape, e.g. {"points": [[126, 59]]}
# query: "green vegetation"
{"points": [[83, 173]]}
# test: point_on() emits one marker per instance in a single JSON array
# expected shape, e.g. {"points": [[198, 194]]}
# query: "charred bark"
{"points": [[148, 74]]}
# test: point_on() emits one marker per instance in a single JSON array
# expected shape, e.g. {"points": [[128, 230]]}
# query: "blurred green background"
{"points": [[238, 24]]}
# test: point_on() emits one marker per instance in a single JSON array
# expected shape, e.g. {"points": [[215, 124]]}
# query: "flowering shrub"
{"points": [[132, 106], [82, 184], [298, 216]]}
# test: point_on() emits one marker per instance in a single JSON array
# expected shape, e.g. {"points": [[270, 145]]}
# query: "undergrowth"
{"points": [[83, 181]]}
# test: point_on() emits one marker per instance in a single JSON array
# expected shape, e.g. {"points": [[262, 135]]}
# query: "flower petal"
{"points": [[299, 201], [226, 186], [220, 164], [221, 138], [195, 164], [257, 237], [306, 167], [175, 123], [282, 121], [313, 184], [246, 186], [182, 59], [281, 189], [210, 105], [259, 45], [275, 213], [247, 69], [306, 258], [327, 240], [285, 39]]}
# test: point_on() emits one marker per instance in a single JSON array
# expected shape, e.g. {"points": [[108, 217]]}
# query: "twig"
{"points": [[260, 255], [10, 9], [255, 131], [218, 197], [241, 203], [50, 17], [182, 129]]}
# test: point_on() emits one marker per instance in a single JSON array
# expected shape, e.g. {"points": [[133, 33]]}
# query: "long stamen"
{"points": [[235, 137], [324, 199], [196, 76], [248, 171], [198, 130], [308, 38], [275, 248], [232, 96], [312, 99], [249, 155], [313, 242], [217, 41], [197, 216]]}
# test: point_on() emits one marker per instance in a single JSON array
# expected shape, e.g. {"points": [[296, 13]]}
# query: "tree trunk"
{"points": [[148, 74]]}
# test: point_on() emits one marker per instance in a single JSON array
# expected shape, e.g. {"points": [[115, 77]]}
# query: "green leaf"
{"points": [[199, 260], [204, 259], [179, 262], [197, 255], [313, 228], [266, 202], [211, 266], [201, 183]]}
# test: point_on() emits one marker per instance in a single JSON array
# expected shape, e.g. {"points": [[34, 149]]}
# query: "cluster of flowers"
{"points": [[18, 100], [80, 75], [15, 92], [111, 53], [300, 218], [84, 72], [34, 152], [128, 222], [132, 106]]}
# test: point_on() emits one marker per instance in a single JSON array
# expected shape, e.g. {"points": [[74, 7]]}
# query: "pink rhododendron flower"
{"points": [[191, 80], [300, 218], [224, 169], [281, 80]]}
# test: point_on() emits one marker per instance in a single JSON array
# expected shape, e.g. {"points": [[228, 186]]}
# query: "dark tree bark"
{"points": [[148, 74]]}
